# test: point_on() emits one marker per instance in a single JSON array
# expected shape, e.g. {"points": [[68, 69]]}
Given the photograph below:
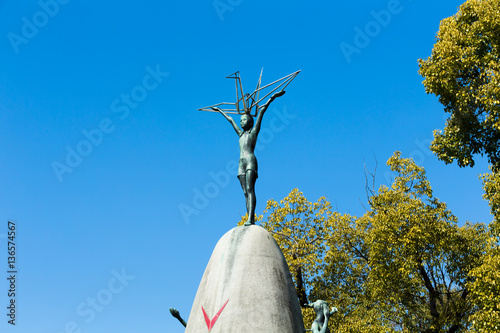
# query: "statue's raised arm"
{"points": [[231, 120], [263, 109]]}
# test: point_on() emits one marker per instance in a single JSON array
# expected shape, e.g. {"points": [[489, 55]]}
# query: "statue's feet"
{"points": [[249, 223]]}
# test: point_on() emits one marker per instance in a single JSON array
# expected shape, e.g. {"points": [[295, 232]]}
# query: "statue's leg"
{"points": [[251, 177], [243, 183]]}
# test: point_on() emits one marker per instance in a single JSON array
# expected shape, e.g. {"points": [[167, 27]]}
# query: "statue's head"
{"points": [[246, 121]]}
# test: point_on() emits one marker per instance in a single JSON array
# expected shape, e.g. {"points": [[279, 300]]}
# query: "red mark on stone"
{"points": [[211, 323]]}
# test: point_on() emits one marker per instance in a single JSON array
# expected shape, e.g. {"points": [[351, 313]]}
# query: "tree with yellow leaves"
{"points": [[463, 71], [402, 266], [419, 258], [485, 285]]}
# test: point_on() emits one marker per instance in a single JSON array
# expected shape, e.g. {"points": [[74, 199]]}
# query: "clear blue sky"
{"points": [[67, 70]]}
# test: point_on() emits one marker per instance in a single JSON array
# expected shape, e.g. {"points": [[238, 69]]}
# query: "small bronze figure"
{"points": [[320, 324]]}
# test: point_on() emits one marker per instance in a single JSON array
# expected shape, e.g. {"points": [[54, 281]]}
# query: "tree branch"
{"points": [[430, 288]]}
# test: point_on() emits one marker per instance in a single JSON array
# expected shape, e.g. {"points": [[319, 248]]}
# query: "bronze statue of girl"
{"points": [[320, 324], [247, 169]]}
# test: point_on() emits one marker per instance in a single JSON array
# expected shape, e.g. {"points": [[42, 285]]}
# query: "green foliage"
{"points": [[419, 257], [491, 187], [300, 228], [485, 291], [485, 285], [403, 266], [344, 282], [463, 71]]}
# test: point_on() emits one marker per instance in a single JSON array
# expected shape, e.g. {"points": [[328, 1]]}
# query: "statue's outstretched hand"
{"points": [[278, 94], [216, 109], [174, 312]]}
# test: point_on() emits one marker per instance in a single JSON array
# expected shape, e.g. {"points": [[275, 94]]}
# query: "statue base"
{"points": [[246, 287]]}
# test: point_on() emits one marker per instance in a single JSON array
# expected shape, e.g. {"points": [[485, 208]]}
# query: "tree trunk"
{"points": [[301, 291], [459, 315]]}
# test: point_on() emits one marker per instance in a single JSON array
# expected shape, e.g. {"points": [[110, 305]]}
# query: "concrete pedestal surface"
{"points": [[246, 287]]}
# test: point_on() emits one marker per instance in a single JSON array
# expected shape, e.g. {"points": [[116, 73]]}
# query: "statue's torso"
{"points": [[247, 143], [248, 161]]}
